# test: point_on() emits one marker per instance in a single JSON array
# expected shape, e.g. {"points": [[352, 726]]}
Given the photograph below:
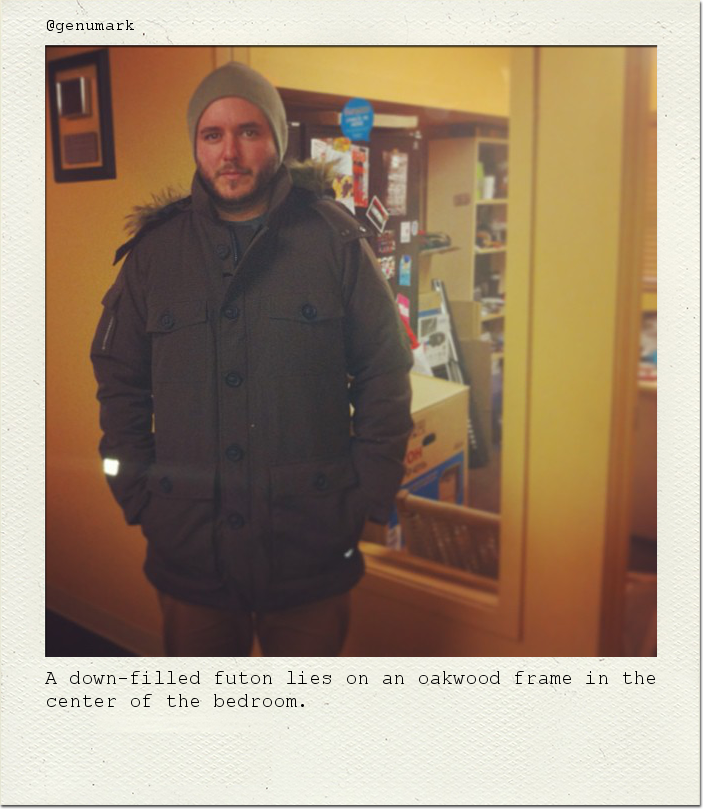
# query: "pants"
{"points": [[312, 630]]}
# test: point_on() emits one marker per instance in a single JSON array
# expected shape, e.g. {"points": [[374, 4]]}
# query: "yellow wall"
{"points": [[91, 556], [469, 79]]}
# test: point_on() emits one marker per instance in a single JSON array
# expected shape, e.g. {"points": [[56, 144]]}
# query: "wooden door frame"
{"points": [[627, 336]]}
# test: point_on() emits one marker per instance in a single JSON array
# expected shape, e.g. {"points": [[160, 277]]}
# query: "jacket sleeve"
{"points": [[378, 360], [121, 356]]}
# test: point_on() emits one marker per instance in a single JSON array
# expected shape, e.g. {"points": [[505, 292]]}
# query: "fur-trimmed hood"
{"points": [[312, 175]]}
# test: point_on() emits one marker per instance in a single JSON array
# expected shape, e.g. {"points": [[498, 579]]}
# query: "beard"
{"points": [[256, 194]]}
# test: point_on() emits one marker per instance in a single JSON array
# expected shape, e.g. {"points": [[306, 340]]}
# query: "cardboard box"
{"points": [[430, 301], [439, 411], [436, 461]]}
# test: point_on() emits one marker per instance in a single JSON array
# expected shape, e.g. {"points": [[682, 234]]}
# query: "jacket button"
{"points": [[231, 312], [234, 452], [236, 521], [222, 251], [309, 311], [233, 379], [344, 232], [320, 481], [165, 485], [167, 320]]}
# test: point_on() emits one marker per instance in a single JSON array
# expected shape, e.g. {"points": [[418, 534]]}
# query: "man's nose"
{"points": [[230, 149]]}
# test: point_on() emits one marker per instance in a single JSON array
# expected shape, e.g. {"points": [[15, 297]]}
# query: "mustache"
{"points": [[233, 167]]}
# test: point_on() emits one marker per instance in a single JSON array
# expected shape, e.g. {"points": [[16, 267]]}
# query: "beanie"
{"points": [[235, 79]]}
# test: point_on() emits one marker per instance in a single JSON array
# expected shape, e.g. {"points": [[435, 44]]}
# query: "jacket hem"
{"points": [[276, 598]]}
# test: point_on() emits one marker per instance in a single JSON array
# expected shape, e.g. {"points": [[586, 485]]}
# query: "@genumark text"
{"points": [[60, 27]]}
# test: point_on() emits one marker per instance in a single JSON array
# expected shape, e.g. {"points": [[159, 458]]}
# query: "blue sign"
{"points": [[406, 264], [357, 119]]}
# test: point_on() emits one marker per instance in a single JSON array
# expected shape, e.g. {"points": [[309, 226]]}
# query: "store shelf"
{"points": [[458, 168]]}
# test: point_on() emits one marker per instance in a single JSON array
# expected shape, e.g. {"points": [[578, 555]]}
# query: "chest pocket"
{"points": [[179, 341], [307, 332]]}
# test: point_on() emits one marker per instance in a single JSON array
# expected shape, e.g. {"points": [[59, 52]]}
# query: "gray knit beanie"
{"points": [[235, 79]]}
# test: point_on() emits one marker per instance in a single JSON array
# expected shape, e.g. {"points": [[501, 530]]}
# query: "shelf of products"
{"points": [[489, 221], [467, 198]]}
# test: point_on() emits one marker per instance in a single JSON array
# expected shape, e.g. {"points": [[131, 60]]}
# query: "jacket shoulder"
{"points": [[340, 220], [147, 218]]}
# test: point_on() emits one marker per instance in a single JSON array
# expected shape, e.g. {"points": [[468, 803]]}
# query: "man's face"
{"points": [[236, 156]]}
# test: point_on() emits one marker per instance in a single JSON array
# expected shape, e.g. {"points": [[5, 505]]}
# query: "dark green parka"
{"points": [[225, 394]]}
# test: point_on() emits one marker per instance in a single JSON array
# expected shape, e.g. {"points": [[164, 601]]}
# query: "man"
{"points": [[245, 320]]}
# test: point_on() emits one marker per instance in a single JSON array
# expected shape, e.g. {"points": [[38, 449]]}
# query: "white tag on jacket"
{"points": [[111, 466]]}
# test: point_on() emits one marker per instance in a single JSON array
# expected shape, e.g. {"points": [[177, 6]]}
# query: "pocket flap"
{"points": [[313, 478], [170, 317], [306, 307]]}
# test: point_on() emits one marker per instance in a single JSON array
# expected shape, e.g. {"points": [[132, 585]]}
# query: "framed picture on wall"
{"points": [[80, 107]]}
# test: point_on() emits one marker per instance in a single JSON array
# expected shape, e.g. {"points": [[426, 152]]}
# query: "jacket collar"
{"points": [[281, 185]]}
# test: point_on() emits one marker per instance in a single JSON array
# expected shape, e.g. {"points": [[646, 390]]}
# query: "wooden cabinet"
{"points": [[489, 223], [467, 187], [467, 198]]}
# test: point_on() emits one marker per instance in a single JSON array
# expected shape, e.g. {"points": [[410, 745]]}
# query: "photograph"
{"points": [[302, 403]]}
